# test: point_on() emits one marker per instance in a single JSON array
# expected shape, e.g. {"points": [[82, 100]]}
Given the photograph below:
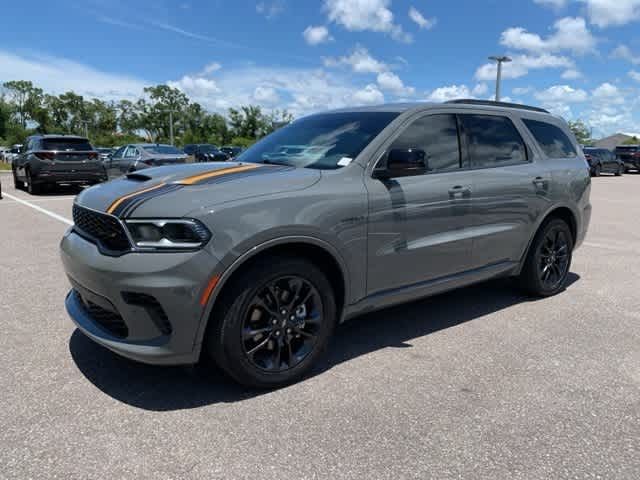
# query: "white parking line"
{"points": [[40, 209]]}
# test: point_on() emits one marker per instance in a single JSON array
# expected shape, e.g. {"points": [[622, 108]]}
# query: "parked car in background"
{"points": [[13, 152], [104, 152], [630, 156], [231, 151], [205, 152], [49, 160], [602, 160], [138, 156], [253, 263]]}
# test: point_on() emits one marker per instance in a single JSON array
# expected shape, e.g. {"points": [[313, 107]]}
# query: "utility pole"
{"points": [[171, 126], [500, 59]]}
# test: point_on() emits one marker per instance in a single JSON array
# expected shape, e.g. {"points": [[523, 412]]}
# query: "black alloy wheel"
{"points": [[597, 170], [32, 188], [281, 324], [272, 322], [553, 259]]}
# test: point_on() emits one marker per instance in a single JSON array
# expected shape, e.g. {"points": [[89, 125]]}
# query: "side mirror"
{"points": [[404, 163]]}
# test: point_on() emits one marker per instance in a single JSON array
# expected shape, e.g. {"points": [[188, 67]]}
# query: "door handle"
{"points": [[540, 182], [460, 191]]}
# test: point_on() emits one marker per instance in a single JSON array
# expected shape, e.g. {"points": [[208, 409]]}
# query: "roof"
{"points": [[58, 135], [464, 103], [150, 144]]}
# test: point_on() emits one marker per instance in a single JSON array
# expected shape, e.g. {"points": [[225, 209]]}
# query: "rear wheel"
{"points": [[597, 170], [273, 322], [16, 183], [549, 259], [32, 188]]}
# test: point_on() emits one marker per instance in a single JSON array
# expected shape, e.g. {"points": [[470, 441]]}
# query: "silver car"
{"points": [[253, 263]]}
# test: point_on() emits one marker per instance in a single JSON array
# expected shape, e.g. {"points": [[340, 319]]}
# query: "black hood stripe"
{"points": [[127, 208]]}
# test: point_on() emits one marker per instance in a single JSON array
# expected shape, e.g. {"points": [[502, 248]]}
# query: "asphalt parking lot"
{"points": [[478, 383]]}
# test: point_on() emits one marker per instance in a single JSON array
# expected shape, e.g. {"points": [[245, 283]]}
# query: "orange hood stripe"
{"points": [[216, 173], [117, 203]]}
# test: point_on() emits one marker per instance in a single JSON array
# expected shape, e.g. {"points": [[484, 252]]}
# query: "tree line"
{"points": [[26, 109]]}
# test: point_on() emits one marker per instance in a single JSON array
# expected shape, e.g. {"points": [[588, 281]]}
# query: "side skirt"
{"points": [[388, 298]]}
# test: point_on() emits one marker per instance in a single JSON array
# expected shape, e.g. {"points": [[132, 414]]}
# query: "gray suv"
{"points": [[49, 160], [253, 263]]}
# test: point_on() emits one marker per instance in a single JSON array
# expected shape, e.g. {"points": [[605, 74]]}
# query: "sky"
{"points": [[578, 58]]}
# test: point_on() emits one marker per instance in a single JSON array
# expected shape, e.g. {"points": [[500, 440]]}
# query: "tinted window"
{"points": [[162, 150], [493, 141], [189, 149], [132, 152], [626, 149], [118, 153], [325, 141], [66, 144], [553, 141], [437, 135]]}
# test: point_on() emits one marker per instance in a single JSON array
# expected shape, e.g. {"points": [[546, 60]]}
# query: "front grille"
{"points": [[153, 308], [110, 321], [104, 229]]}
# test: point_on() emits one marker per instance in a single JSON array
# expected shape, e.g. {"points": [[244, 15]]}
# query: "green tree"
{"points": [[25, 98], [631, 141], [581, 131]]}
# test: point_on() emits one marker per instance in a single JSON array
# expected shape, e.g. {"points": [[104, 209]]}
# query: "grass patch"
{"points": [[5, 166]]}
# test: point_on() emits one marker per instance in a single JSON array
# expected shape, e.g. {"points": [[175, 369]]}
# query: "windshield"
{"points": [[66, 144], [325, 141], [162, 150]]}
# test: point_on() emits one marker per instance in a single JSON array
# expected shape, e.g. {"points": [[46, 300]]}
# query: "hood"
{"points": [[173, 191]]}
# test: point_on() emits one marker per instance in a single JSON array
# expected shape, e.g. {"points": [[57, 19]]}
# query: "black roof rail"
{"points": [[491, 103]]}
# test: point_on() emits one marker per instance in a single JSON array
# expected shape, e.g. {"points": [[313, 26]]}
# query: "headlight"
{"points": [[168, 234]]}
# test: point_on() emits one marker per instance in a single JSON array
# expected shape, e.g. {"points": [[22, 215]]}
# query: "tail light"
{"points": [[93, 156], [45, 155]]}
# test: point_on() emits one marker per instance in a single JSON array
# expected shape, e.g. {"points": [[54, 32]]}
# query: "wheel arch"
{"points": [[321, 253]]}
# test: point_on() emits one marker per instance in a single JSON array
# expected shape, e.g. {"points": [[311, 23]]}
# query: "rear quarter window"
{"points": [[552, 140]]}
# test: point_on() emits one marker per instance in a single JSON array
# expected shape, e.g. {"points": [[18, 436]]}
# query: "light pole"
{"points": [[500, 60], [171, 126]]}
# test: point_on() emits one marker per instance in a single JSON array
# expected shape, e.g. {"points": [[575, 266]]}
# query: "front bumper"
{"points": [[143, 306]]}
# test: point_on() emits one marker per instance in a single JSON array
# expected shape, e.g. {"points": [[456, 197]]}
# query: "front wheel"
{"points": [[597, 171], [16, 183], [549, 260], [273, 322]]}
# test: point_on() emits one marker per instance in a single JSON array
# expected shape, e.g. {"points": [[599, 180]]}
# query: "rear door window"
{"points": [[493, 141], [552, 140]]}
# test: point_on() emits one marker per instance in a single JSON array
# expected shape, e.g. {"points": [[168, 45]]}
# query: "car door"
{"points": [[22, 158], [417, 224], [611, 161], [131, 154], [510, 187], [112, 165]]}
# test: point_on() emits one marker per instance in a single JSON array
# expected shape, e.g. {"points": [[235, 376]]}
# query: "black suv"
{"points": [[630, 156], [57, 159], [602, 160], [205, 152]]}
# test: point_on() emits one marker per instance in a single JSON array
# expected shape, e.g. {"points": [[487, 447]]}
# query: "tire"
{"points": [[264, 359], [619, 171], [532, 277], [32, 188], [597, 170], [16, 183]]}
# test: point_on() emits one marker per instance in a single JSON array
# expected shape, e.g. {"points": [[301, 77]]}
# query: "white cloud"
{"points": [[561, 94], [197, 86], [270, 9], [557, 4], [417, 17], [625, 53], [369, 95], [521, 90], [210, 68], [360, 61], [480, 90], [59, 75], [634, 75], [571, 34], [608, 94], [522, 64], [365, 15], [571, 74], [606, 13], [266, 95], [393, 83], [451, 92], [317, 35]]}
